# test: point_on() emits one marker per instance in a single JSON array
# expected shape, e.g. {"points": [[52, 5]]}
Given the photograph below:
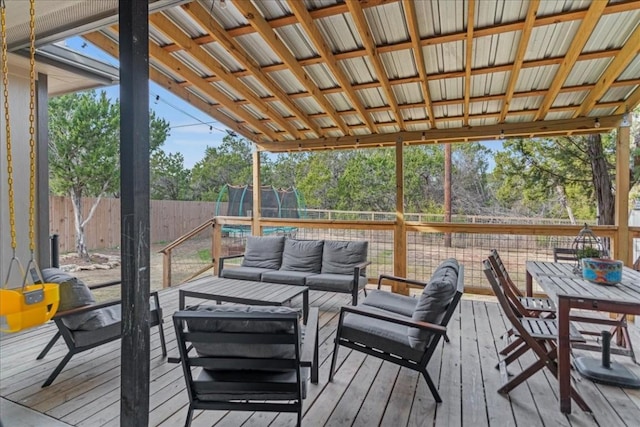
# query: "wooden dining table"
{"points": [[570, 291]]}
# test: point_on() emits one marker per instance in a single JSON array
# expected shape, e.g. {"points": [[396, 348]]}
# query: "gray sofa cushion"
{"points": [[302, 255], [434, 300], [395, 303], [386, 336], [286, 277], [334, 282], [244, 273], [263, 252], [341, 257], [231, 326]]}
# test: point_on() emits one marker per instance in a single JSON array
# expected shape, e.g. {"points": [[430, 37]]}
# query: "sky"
{"points": [[191, 130]]}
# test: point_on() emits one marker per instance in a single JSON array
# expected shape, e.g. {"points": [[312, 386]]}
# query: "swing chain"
{"points": [[32, 131], [5, 92]]}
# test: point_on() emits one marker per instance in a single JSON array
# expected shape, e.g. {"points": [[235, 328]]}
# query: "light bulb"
{"points": [[596, 123], [223, 4]]}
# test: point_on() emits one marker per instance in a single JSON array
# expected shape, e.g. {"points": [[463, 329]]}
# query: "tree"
{"points": [[84, 151], [570, 173], [169, 178], [230, 163]]}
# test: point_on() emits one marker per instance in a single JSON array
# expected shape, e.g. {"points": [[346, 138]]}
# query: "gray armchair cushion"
{"points": [[302, 255], [379, 334], [104, 324], [434, 300], [395, 303], [341, 257], [263, 252], [334, 282], [231, 326]]}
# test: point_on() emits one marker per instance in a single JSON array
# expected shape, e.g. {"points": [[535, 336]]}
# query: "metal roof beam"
{"points": [[414, 31], [589, 22], [369, 44], [172, 31], [111, 47], [257, 21], [306, 21], [471, 8]]}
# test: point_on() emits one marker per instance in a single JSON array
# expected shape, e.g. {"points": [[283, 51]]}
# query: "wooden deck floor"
{"points": [[365, 392]]}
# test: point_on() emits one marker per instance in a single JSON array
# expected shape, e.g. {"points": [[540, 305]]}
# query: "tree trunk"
{"points": [[601, 181], [81, 245], [563, 201]]}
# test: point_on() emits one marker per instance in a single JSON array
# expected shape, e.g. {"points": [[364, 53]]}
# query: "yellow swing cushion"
{"points": [[20, 313]]}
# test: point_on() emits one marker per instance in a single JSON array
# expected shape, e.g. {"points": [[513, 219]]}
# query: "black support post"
{"points": [[134, 188], [42, 178]]}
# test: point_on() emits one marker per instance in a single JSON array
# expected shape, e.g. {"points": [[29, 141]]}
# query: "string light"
{"points": [[424, 137], [596, 123], [223, 4], [502, 134]]}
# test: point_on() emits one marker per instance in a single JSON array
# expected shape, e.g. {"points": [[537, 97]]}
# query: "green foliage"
{"points": [[231, 163], [169, 178]]}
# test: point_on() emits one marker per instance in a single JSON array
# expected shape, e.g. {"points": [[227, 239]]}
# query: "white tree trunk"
{"points": [[81, 222]]}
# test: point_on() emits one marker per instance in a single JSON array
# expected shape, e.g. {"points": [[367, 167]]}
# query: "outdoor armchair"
{"points": [[246, 358], [83, 324], [386, 326]]}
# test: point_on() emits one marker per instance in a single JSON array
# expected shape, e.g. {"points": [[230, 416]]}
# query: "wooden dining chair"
{"points": [[537, 334], [535, 306]]}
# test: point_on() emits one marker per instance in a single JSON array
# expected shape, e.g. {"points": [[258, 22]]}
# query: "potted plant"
{"points": [[587, 252]]}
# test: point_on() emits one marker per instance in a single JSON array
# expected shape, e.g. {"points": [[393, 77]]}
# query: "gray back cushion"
{"points": [[341, 257], [208, 324], [263, 252], [74, 293], [302, 255], [434, 300]]}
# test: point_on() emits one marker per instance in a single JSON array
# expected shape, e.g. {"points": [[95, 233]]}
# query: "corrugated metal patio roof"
{"points": [[316, 74]]}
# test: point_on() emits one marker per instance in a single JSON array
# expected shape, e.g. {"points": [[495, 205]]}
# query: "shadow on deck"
{"points": [[365, 390]]}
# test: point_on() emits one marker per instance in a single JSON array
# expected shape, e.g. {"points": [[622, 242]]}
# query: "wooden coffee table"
{"points": [[244, 292]]}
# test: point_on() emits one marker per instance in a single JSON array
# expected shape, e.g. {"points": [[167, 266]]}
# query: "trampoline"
{"points": [[276, 203]]}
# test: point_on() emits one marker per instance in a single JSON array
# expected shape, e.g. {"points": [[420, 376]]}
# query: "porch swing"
{"points": [[32, 304]]}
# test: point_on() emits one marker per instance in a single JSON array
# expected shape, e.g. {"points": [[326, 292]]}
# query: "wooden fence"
{"points": [[169, 220]]}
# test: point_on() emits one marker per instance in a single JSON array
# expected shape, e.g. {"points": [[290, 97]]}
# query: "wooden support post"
{"points": [[257, 196], [623, 249], [134, 213], [400, 233], [447, 191]]}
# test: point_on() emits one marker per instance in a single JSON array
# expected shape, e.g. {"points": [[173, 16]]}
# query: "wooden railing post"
{"points": [[623, 241], [166, 269], [216, 244]]}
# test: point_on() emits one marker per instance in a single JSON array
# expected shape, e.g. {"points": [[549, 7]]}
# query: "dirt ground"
{"points": [[96, 271]]}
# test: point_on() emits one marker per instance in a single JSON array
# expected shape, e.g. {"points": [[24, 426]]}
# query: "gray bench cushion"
{"points": [[302, 255], [434, 300], [286, 277], [334, 282], [244, 273], [395, 303], [234, 326], [263, 252], [341, 257], [379, 334]]}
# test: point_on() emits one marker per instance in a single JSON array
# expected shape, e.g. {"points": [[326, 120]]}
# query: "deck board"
{"points": [[366, 391]]}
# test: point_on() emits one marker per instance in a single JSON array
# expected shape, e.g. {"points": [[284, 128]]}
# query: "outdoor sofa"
{"points": [[325, 265]]}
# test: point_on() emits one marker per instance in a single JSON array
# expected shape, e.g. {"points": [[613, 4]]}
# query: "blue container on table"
{"points": [[602, 271]]}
